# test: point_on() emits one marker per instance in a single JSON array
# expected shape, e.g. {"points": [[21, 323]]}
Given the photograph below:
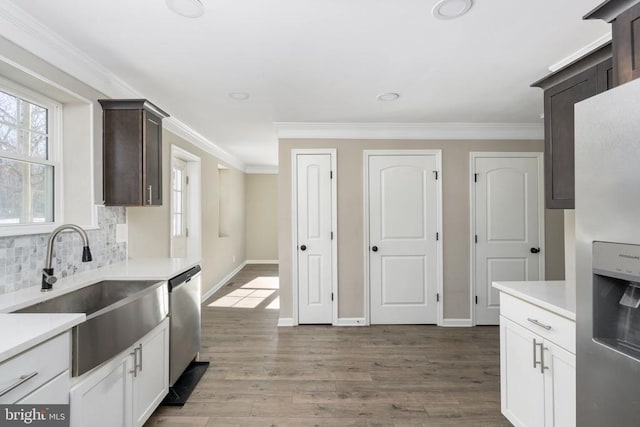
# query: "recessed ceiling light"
{"points": [[239, 96], [451, 9], [390, 96], [186, 8]]}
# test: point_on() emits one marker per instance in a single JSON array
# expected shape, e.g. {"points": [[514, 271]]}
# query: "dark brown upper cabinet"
{"points": [[575, 82], [132, 152], [624, 15]]}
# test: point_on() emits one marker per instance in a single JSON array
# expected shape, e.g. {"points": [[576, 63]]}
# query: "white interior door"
{"points": [[314, 233], [179, 208], [507, 193], [403, 227]]}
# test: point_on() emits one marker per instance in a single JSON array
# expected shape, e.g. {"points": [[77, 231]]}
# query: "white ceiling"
{"points": [[325, 61]]}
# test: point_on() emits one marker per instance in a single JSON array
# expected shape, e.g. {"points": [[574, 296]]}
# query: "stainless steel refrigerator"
{"points": [[607, 149]]}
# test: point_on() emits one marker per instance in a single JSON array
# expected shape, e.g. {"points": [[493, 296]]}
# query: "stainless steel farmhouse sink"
{"points": [[119, 312]]}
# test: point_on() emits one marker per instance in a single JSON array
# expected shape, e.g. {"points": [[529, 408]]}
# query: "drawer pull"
{"points": [[537, 323], [23, 379]]}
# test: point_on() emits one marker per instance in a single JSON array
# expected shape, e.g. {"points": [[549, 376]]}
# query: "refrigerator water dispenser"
{"points": [[616, 297]]}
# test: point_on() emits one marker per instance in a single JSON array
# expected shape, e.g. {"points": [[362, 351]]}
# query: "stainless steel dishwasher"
{"points": [[184, 314]]}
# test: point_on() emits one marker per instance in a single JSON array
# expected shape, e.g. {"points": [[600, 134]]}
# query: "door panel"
{"points": [[402, 215], [507, 225], [503, 270], [314, 207], [403, 220], [506, 205], [410, 290]]}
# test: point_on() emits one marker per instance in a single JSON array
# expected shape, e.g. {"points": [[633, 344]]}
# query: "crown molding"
{"points": [[25, 31], [262, 170], [180, 129], [437, 131], [591, 47]]}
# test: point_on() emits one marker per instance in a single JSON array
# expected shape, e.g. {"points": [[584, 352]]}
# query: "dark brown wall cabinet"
{"points": [[625, 17], [132, 152], [577, 81]]}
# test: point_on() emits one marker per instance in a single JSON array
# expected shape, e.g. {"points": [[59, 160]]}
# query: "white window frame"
{"points": [[54, 157]]}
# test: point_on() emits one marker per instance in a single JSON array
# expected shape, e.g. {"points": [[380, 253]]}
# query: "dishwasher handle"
{"points": [[184, 277]]}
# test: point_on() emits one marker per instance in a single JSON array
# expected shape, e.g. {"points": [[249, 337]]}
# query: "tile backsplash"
{"points": [[23, 257]]}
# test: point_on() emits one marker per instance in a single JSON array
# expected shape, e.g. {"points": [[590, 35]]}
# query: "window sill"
{"points": [[26, 230]]}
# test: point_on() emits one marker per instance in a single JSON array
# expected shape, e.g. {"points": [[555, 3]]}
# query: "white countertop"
{"points": [[137, 269], [19, 331], [554, 296], [23, 331]]}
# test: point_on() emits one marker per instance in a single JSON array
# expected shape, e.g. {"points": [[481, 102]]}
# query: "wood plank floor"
{"points": [[261, 375]]}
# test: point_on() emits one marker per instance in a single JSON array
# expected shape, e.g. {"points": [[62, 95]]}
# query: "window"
{"points": [[179, 180], [27, 158]]}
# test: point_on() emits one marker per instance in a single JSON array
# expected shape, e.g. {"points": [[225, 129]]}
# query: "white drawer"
{"points": [[55, 392], [46, 360], [548, 325]]}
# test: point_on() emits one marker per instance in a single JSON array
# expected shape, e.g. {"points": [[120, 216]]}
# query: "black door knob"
{"points": [[535, 250], [374, 248], [303, 247]]}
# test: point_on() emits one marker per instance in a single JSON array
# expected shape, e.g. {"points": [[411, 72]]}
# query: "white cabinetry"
{"points": [[39, 375], [537, 365], [127, 389], [151, 381]]}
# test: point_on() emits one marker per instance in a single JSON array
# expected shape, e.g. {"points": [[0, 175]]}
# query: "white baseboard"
{"points": [[456, 323], [285, 321], [222, 282], [351, 321], [262, 261]]}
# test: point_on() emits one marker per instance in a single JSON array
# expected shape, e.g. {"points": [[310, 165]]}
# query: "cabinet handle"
{"points": [[134, 371], [149, 189], [542, 367], [21, 380], [140, 349], [537, 323], [535, 355]]}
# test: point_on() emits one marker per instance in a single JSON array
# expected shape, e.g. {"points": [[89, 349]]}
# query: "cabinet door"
{"points": [[152, 159], [522, 384], [560, 386], [151, 383], [559, 104], [605, 76], [103, 399], [626, 45], [122, 157]]}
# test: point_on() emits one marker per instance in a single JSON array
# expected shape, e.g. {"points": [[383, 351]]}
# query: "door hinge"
{"points": [[437, 236], [330, 174], [475, 177], [332, 235], [187, 179], [476, 299], [476, 238], [438, 297], [331, 296], [186, 232], [436, 173]]}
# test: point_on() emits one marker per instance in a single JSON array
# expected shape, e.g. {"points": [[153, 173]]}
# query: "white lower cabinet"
{"points": [[126, 390], [151, 382], [538, 377], [38, 374]]}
